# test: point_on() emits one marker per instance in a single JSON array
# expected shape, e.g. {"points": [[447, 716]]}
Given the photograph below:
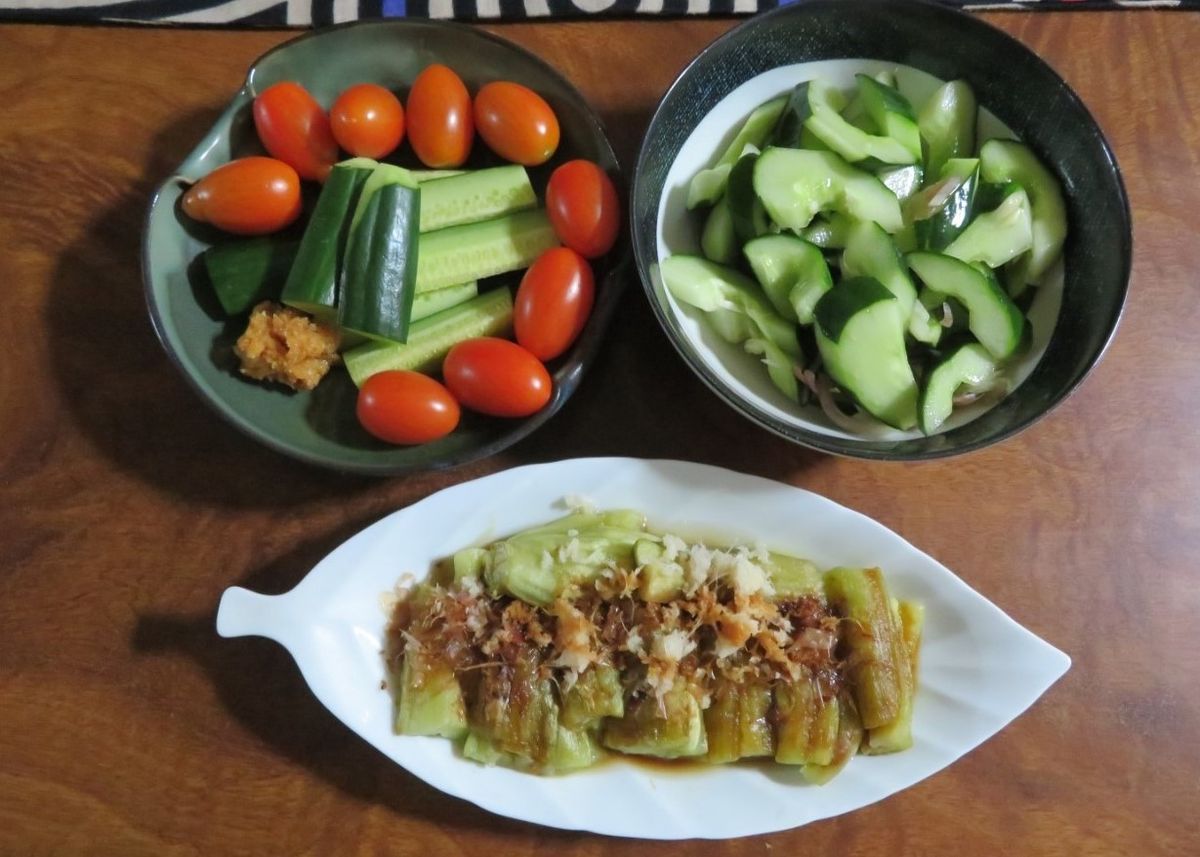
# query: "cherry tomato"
{"points": [[249, 196], [406, 408], [294, 128], [440, 127], [496, 377], [516, 123], [367, 121], [582, 205], [553, 302]]}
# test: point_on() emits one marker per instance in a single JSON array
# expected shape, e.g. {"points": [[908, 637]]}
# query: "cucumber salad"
{"points": [[880, 248]]}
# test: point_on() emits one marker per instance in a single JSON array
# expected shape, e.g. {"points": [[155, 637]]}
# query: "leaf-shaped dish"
{"points": [[979, 669], [320, 427]]}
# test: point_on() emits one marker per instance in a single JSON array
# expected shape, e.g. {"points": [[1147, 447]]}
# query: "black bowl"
{"points": [[1010, 81]]}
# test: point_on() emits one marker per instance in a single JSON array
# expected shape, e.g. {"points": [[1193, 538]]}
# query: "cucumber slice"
{"points": [[431, 338], [312, 283], [745, 209], [860, 333], [1006, 160], [829, 231], [995, 237], [471, 197], [891, 113], [780, 367], [707, 286], [940, 217], [991, 315], [379, 276], [969, 364], [902, 181], [474, 251], [792, 272], [718, 241], [851, 143], [795, 184], [245, 272], [731, 326], [707, 186], [870, 252], [947, 125]]}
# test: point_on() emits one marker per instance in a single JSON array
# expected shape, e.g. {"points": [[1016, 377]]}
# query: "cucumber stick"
{"points": [[431, 338], [243, 273], [379, 274], [431, 303], [474, 251], [312, 283], [474, 196]]}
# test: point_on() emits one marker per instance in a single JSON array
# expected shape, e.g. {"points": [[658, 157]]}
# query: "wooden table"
{"points": [[127, 727]]}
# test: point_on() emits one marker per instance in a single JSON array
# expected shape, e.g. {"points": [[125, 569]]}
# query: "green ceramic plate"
{"points": [[320, 427]]}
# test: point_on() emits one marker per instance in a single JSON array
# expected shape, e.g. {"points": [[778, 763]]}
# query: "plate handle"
{"points": [[243, 613]]}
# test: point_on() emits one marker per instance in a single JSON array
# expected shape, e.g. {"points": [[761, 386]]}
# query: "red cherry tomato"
{"points": [[553, 302], [294, 129], [582, 205], [440, 127], [367, 121], [406, 408], [516, 123], [249, 196], [496, 377]]}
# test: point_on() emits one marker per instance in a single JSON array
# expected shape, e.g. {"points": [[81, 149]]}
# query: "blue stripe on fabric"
{"points": [[395, 8]]}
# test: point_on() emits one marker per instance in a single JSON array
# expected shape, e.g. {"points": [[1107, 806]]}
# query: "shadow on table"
{"points": [[261, 687], [119, 387]]}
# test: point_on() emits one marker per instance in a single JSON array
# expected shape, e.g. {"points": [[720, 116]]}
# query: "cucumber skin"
{"points": [[379, 277]]}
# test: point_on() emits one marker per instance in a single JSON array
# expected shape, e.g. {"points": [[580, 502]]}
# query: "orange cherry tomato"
{"points": [[406, 408], [582, 205], [440, 126], [294, 129], [496, 377], [516, 123], [249, 196], [367, 121], [553, 302]]}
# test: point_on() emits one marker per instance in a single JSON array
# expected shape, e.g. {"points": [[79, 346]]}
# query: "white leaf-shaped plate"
{"points": [[979, 668]]}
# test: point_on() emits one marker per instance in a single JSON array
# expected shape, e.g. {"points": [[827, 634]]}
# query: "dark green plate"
{"points": [[1009, 80], [320, 427]]}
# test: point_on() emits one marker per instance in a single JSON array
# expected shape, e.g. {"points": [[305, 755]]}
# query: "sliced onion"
{"points": [[929, 202], [861, 423]]}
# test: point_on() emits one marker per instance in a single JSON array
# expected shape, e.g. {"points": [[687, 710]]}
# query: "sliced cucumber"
{"points": [[707, 186], [851, 143], [718, 241], [431, 338], [828, 231], [379, 275], [969, 364], [792, 272], [1005, 161], [991, 315], [478, 250], [891, 113], [792, 127], [780, 368], [947, 125], [708, 286], [312, 283], [902, 181], [745, 209], [245, 272], [474, 196], [871, 252], [942, 211], [997, 236], [732, 326], [795, 184], [860, 333]]}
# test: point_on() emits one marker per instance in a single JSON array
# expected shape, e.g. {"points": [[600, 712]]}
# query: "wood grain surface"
{"points": [[127, 727]]}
